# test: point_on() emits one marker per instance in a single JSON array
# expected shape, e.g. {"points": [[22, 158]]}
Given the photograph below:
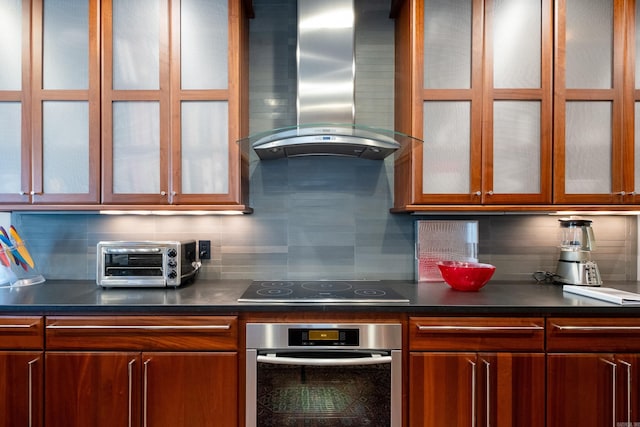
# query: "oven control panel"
{"points": [[323, 337]]}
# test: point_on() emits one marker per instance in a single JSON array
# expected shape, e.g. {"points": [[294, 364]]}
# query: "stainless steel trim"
{"points": [[373, 336], [301, 361], [251, 392]]}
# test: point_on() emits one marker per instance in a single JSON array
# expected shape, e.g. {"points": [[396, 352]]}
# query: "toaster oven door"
{"points": [[138, 267]]}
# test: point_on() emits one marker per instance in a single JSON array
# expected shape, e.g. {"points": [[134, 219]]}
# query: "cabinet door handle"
{"points": [[627, 365], [130, 391], [452, 328], [473, 393], [487, 379], [30, 388], [18, 326], [145, 394], [596, 328], [614, 368]]}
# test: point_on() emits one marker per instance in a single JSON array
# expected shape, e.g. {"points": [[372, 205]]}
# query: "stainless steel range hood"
{"points": [[326, 92]]}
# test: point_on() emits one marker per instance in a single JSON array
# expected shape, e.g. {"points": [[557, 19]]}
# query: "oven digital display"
{"points": [[318, 335], [324, 337]]}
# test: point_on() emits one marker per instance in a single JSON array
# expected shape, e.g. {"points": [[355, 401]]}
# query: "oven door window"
{"points": [[135, 264], [310, 396]]}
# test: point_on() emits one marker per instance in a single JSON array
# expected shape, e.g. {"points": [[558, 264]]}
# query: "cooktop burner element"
{"points": [[323, 291]]}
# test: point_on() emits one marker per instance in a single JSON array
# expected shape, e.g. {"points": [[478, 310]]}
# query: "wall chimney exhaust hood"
{"points": [[326, 93]]}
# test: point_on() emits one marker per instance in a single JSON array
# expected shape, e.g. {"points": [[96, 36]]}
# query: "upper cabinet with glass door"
{"points": [[589, 147], [49, 102], [474, 81], [174, 104]]}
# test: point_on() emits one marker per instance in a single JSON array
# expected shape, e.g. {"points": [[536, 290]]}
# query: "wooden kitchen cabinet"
{"points": [[141, 371], [50, 105], [123, 104], [594, 150], [21, 371], [174, 102], [476, 371], [485, 113], [593, 372]]}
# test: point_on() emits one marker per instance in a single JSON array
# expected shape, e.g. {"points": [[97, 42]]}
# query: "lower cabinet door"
{"points": [[593, 390], [97, 389], [476, 389], [442, 389], [190, 389], [21, 389]]}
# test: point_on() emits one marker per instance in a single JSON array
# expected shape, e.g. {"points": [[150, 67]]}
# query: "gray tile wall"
{"points": [[318, 217]]}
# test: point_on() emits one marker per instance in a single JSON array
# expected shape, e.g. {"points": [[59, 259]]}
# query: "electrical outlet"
{"points": [[204, 249]]}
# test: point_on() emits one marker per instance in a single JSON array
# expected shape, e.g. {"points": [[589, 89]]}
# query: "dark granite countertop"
{"points": [[220, 297]]}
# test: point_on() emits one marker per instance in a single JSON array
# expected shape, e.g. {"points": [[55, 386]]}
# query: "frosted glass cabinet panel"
{"points": [[516, 43], [66, 44], [516, 147], [11, 45], [136, 147], [65, 144], [205, 147], [588, 148], [10, 147], [447, 44], [136, 43], [589, 44], [204, 39], [446, 158]]}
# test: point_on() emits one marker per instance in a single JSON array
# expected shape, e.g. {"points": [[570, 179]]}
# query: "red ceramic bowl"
{"points": [[466, 276]]}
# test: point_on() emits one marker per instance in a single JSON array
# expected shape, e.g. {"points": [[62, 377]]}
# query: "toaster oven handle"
{"points": [[374, 359], [132, 250]]}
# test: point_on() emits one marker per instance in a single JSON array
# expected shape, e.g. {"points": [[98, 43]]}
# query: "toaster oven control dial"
{"points": [[172, 263], [172, 274], [172, 253]]}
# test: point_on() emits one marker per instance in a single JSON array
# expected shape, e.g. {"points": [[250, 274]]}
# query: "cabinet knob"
{"points": [[621, 193], [173, 193], [478, 193], [163, 193], [490, 193]]}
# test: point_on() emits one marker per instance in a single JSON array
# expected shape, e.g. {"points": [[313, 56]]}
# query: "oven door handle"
{"points": [[374, 359]]}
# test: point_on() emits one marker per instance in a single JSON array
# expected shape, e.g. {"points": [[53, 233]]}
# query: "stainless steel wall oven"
{"points": [[347, 374]]}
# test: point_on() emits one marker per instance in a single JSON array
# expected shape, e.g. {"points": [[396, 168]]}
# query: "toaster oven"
{"points": [[146, 263]]}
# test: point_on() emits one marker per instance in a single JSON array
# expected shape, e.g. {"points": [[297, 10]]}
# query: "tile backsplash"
{"points": [[302, 235]]}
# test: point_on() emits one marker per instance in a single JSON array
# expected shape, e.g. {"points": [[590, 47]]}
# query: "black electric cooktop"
{"points": [[320, 291]]}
